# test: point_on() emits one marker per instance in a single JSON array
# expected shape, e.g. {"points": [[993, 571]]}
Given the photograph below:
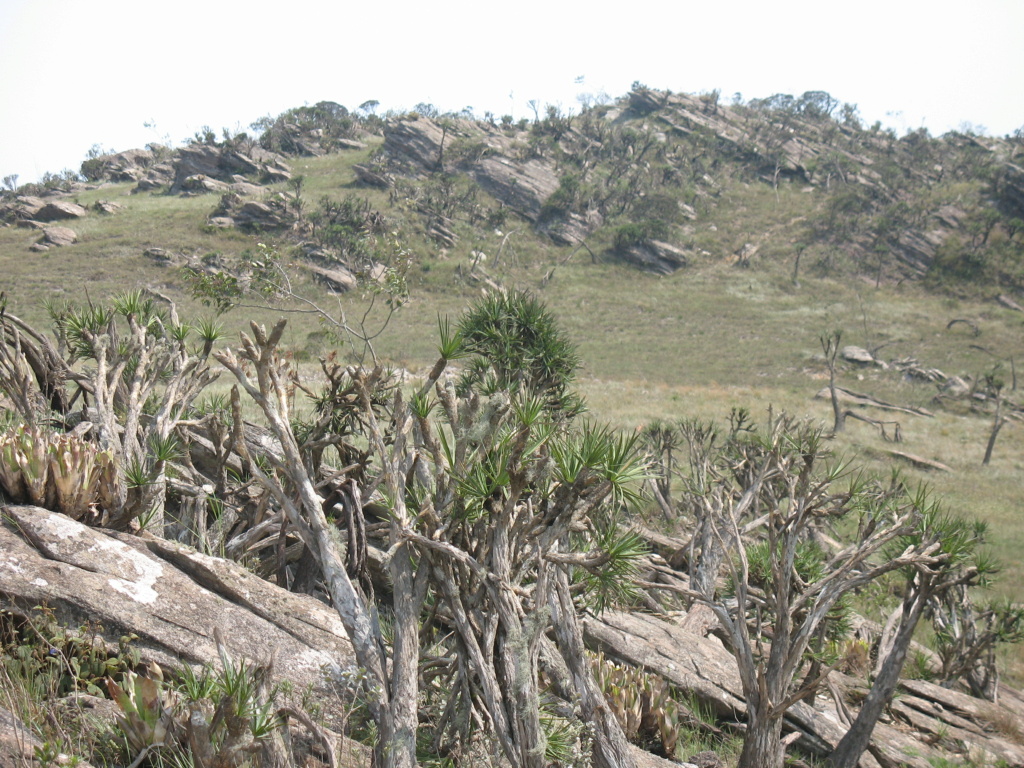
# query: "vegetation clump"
{"points": [[465, 520]]}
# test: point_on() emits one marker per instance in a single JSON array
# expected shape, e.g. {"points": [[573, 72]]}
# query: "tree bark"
{"points": [[849, 749], [997, 424], [704, 577], [405, 665], [611, 750], [762, 745]]}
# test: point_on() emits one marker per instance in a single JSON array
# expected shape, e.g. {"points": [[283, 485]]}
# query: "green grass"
{"points": [[693, 344]]}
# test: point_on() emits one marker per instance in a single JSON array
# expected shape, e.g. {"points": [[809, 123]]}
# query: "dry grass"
{"points": [[691, 345]]}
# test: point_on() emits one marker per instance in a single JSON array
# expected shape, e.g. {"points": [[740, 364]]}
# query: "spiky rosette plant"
{"points": [[497, 505], [63, 472], [515, 346], [81, 473], [25, 465]]}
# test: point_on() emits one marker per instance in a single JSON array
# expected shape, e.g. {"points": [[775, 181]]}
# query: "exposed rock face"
{"points": [[200, 184], [59, 236], [571, 228], [917, 247], [276, 172], [856, 354], [58, 210], [336, 279], [1011, 190], [370, 177], [130, 165], [644, 101], [221, 164], [259, 215], [169, 595], [245, 188], [26, 206], [522, 186], [197, 160], [655, 256], [349, 144], [106, 207], [701, 666], [157, 176], [414, 146], [160, 255], [21, 211]]}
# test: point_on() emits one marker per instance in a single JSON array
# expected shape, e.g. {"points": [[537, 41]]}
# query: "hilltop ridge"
{"points": [[635, 178]]}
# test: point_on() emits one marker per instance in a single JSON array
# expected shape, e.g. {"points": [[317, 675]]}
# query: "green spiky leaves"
{"points": [[516, 346]]}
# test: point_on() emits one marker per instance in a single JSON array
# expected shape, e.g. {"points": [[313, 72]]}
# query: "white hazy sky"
{"points": [[74, 73]]}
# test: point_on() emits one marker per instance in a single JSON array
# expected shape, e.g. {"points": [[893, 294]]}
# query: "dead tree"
{"points": [[830, 346], [393, 690], [995, 388]]}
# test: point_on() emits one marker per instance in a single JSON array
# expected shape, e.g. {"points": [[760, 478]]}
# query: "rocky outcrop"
{"points": [[523, 186], [372, 178], [201, 185], [655, 256], [420, 147], [336, 279], [169, 595], [222, 164], [106, 207], [157, 177], [257, 215], [130, 165], [570, 228], [1011, 190], [25, 207], [58, 237], [413, 147], [59, 210], [917, 247], [173, 599], [198, 160]]}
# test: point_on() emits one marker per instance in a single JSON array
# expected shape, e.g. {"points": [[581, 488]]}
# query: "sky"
{"points": [[125, 73]]}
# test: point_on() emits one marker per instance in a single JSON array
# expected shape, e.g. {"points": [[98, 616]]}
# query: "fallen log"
{"points": [[848, 396], [920, 462]]}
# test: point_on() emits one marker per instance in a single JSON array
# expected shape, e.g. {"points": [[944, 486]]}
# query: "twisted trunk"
{"points": [[611, 750], [848, 751]]}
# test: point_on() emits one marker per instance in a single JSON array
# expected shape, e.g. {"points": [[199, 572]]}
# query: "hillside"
{"points": [[698, 255]]}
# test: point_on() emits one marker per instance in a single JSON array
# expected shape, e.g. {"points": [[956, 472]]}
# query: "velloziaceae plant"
{"points": [[63, 472], [146, 720], [642, 702]]}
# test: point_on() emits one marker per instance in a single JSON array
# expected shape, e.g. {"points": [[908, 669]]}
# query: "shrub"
{"points": [[516, 346], [637, 233]]}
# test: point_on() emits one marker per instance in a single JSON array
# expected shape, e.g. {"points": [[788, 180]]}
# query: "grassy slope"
{"points": [[694, 344]]}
